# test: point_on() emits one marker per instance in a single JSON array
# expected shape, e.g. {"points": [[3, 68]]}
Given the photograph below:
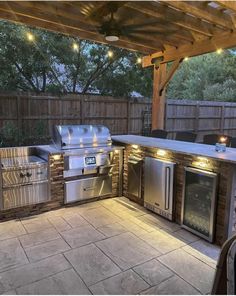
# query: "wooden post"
{"points": [[128, 116], [158, 101]]}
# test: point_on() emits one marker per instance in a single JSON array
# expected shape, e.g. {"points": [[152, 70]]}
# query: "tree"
{"points": [[52, 62], [207, 77]]}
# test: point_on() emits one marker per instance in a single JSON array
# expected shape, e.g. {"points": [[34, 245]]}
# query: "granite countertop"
{"points": [[179, 146]]}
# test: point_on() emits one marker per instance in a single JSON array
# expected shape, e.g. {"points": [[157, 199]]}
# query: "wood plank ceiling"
{"points": [[150, 27]]}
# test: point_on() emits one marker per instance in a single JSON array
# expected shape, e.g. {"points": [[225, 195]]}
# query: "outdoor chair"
{"points": [[185, 136], [159, 133], [212, 139], [233, 143], [224, 281]]}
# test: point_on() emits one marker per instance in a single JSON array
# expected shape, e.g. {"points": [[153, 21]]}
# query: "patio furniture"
{"points": [[233, 142], [159, 133], [185, 136], [212, 139], [224, 281]]}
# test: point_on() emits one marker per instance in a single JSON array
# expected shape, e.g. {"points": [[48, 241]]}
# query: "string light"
{"points": [[219, 50], [139, 60], [186, 59], [30, 36], [110, 53], [75, 46]]}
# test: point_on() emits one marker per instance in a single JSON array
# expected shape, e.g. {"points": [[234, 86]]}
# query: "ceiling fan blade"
{"points": [[141, 25], [100, 10], [148, 32]]}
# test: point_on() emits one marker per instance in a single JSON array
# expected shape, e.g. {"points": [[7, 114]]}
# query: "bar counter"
{"points": [[187, 155]]}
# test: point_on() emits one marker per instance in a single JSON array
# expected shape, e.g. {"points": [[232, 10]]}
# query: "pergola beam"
{"points": [[203, 11], [228, 5], [174, 17], [227, 40]]}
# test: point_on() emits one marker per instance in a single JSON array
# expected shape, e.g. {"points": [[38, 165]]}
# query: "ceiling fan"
{"points": [[107, 22]]}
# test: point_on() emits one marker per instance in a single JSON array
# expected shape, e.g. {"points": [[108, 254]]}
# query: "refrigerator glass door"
{"points": [[198, 208]]}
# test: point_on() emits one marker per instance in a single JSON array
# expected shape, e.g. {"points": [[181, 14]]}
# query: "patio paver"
{"points": [[127, 282], [66, 282], [91, 264], [112, 246]]}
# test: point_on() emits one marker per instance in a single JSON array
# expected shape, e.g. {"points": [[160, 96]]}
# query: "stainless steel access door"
{"points": [[88, 188], [158, 186]]}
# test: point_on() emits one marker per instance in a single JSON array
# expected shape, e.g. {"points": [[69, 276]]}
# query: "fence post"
{"points": [[128, 116], [196, 125], [18, 115], [222, 120], [81, 110]]}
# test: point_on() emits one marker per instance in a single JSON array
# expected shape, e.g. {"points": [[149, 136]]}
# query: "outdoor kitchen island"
{"points": [[203, 180]]}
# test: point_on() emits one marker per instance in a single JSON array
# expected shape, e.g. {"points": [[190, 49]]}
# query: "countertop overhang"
{"points": [[196, 149]]}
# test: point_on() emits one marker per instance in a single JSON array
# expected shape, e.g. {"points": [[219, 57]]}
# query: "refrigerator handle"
{"points": [[167, 188]]}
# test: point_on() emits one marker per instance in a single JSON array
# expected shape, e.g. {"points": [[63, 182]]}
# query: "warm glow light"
{"points": [[202, 162], [139, 60], [219, 50], [110, 53], [223, 139], [135, 146], [116, 151], [30, 36], [56, 157], [186, 59], [75, 46], [161, 152]]}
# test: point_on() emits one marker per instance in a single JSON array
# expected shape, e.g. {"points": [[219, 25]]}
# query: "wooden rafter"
{"points": [[182, 20], [202, 11], [228, 5], [224, 41]]}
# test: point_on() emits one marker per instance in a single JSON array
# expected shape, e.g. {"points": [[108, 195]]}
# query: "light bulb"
{"points": [[30, 36], [75, 46], [139, 60], [110, 53]]}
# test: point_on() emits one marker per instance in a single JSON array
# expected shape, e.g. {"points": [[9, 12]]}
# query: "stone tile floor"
{"points": [[111, 246]]}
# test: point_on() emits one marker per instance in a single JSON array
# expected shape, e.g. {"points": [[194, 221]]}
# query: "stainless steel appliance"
{"points": [[158, 186], [88, 160], [135, 165], [24, 181], [199, 202]]}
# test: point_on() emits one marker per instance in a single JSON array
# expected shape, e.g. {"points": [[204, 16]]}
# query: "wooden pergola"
{"points": [[168, 31]]}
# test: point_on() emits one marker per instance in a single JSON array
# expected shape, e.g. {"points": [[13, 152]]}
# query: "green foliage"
{"points": [[49, 64], [207, 77], [12, 135]]}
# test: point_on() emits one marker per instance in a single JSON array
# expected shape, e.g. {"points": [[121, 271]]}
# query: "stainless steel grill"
{"points": [[88, 160], [81, 136], [24, 181]]}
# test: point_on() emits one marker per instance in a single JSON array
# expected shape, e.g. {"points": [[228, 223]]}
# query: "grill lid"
{"points": [[21, 161], [81, 136]]}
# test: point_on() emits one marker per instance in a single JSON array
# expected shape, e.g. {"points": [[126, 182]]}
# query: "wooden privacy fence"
{"points": [[201, 117], [121, 115]]}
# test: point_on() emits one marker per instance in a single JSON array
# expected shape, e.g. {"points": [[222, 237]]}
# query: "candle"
{"points": [[221, 146]]}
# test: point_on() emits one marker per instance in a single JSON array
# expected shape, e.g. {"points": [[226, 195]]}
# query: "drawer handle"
{"points": [[88, 188], [28, 174]]}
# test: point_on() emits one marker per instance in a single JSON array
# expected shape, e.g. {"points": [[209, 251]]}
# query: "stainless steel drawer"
{"points": [[13, 177], [25, 195], [87, 188]]}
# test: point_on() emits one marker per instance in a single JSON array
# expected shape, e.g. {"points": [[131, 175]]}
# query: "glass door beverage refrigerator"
{"points": [[199, 202]]}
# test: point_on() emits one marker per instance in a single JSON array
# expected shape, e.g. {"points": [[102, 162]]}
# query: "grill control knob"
{"points": [[22, 175], [28, 174]]}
